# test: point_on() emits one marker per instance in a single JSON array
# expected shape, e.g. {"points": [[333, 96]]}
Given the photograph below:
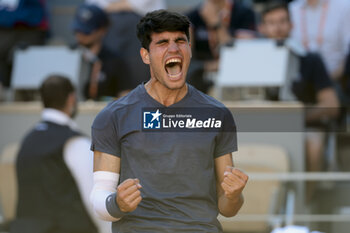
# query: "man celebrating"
{"points": [[169, 181]]}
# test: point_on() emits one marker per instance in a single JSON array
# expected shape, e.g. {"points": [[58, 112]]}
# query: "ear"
{"points": [[145, 56], [71, 98], [70, 103]]}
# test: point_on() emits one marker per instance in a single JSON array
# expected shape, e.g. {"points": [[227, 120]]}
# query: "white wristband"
{"points": [[105, 184]]}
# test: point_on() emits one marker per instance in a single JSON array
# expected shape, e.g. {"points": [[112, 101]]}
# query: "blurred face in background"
{"points": [[89, 40], [276, 24]]}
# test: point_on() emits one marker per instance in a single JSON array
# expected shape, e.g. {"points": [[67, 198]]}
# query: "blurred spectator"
{"points": [[323, 26], [214, 23], [22, 23], [314, 86], [121, 36], [346, 80], [54, 169], [109, 74]]}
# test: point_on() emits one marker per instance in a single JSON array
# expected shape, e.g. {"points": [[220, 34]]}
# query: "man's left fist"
{"points": [[234, 182]]}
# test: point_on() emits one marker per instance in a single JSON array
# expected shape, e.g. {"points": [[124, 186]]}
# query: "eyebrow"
{"points": [[180, 38], [162, 41]]}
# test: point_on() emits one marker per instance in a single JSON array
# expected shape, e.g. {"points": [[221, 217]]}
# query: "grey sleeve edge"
{"points": [[103, 150], [224, 152]]}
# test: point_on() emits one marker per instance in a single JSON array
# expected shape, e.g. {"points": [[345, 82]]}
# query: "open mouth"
{"points": [[173, 67]]}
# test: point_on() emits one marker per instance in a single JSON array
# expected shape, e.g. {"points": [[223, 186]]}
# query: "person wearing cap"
{"points": [[120, 38], [108, 74]]}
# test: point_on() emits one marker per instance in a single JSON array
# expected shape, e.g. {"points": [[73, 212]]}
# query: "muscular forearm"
{"points": [[230, 207], [230, 184]]}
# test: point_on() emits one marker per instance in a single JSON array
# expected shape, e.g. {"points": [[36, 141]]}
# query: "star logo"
{"points": [[152, 119], [156, 115]]}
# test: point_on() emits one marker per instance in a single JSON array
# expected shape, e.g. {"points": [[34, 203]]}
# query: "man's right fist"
{"points": [[129, 195]]}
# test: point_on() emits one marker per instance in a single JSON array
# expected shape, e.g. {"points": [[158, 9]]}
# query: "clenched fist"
{"points": [[234, 182], [129, 195]]}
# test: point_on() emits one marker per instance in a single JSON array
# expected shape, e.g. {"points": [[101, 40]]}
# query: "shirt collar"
{"points": [[58, 117]]}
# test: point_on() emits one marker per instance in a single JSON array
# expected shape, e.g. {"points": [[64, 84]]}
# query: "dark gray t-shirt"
{"points": [[175, 169]]}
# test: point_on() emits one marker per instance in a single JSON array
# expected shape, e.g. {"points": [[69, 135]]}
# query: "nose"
{"points": [[173, 47]]}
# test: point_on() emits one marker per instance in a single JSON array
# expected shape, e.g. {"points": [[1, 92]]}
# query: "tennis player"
{"points": [[159, 180]]}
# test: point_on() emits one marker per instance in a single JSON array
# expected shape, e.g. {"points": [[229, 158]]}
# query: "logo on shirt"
{"points": [[152, 120], [179, 119]]}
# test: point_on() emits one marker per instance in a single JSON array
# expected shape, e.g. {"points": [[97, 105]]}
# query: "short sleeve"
{"points": [[226, 140], [104, 134]]}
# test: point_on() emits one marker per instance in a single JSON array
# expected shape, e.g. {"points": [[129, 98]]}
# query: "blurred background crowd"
{"points": [[93, 43]]}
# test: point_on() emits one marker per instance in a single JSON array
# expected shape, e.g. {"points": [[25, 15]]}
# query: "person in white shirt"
{"points": [[323, 26], [55, 169]]}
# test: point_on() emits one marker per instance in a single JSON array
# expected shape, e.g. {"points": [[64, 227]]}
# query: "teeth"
{"points": [[173, 60]]}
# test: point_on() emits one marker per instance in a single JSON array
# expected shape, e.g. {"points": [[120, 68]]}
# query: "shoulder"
{"points": [[204, 99], [209, 105], [116, 108]]}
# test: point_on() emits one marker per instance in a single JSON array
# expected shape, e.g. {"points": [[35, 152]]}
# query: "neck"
{"points": [[67, 111], [313, 2], [95, 48], [164, 95]]}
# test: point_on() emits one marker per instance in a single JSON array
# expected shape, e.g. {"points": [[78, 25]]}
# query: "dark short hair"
{"points": [[54, 91], [161, 21], [272, 6]]}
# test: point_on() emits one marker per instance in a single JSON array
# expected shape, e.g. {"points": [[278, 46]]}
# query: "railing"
{"points": [[290, 217]]}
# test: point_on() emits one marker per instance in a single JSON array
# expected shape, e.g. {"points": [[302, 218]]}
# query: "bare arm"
{"points": [[106, 162], [230, 184], [327, 105], [128, 194]]}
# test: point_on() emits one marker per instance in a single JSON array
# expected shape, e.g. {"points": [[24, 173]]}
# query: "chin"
{"points": [[175, 85]]}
